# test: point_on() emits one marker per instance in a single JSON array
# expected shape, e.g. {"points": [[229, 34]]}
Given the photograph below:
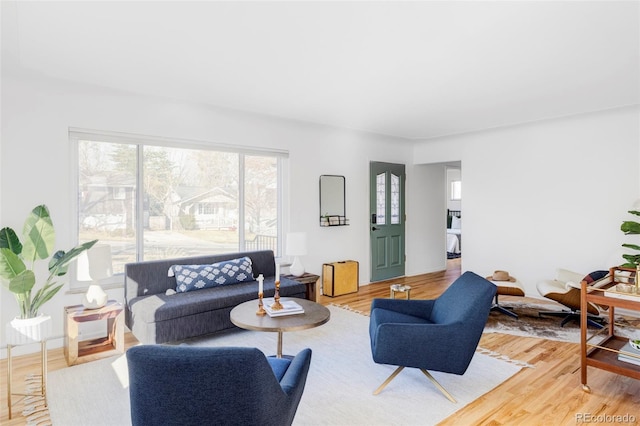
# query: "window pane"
{"points": [[395, 199], [187, 203], [456, 190], [107, 198], [191, 202], [261, 203], [381, 199]]}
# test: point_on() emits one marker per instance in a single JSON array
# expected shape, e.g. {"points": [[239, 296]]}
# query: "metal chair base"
{"points": [[503, 309], [592, 320], [426, 373]]}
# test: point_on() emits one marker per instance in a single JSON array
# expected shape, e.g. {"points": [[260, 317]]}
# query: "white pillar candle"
{"points": [[260, 286], [277, 272]]}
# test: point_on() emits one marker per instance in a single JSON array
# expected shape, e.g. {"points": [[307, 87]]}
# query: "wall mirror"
{"points": [[332, 201]]}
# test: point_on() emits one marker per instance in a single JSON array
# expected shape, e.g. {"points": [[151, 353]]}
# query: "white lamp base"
{"points": [[297, 268], [95, 297]]}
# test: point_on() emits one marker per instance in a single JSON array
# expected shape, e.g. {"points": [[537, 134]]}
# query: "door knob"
{"points": [[373, 228]]}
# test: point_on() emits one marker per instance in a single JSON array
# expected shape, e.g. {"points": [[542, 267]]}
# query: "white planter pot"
{"points": [[29, 330]]}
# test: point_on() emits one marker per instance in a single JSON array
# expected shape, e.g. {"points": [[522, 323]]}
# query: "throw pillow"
{"points": [[595, 276], [196, 277]]}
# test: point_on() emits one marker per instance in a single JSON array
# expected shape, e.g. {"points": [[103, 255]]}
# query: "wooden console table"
{"points": [[604, 354], [76, 351]]}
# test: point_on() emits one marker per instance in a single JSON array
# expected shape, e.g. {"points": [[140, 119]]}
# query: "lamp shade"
{"points": [[296, 243], [95, 264]]}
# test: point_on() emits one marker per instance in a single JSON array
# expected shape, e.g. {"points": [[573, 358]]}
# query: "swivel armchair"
{"points": [[186, 385], [439, 335]]}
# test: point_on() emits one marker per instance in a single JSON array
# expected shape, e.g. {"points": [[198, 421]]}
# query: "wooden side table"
{"points": [[310, 281], [77, 352], [399, 288]]}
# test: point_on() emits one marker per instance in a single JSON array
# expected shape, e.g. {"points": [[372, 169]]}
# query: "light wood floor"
{"points": [[548, 394]]}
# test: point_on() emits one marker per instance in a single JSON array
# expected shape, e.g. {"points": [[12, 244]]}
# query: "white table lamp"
{"points": [[94, 265], [296, 246]]}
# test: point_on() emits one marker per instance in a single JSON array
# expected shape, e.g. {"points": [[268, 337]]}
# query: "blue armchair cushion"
{"points": [[197, 277]]}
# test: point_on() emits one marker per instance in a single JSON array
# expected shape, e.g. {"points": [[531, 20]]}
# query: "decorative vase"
{"points": [[21, 331]]}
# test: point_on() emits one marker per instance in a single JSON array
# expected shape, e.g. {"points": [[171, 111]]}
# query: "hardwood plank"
{"points": [[549, 393]]}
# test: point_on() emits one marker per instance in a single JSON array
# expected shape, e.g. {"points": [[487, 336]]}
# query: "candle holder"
{"points": [[260, 310], [276, 306]]}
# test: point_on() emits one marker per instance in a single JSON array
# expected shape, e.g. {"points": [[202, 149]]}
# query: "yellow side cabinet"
{"points": [[340, 278]]}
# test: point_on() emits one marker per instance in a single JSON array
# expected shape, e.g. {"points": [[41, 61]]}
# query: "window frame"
{"points": [[77, 134]]}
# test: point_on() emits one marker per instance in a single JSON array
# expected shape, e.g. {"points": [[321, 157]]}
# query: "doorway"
{"points": [[387, 220], [453, 182]]}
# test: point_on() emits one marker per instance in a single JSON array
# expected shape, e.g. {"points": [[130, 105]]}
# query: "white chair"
{"points": [[565, 289]]}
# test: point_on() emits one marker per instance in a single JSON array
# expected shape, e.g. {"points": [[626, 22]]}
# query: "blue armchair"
{"points": [[438, 335], [186, 385]]}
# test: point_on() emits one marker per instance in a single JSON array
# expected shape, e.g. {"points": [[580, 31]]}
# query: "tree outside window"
{"points": [[191, 201]]}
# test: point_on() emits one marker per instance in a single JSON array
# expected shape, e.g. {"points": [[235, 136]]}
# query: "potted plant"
{"points": [[630, 227], [17, 272]]}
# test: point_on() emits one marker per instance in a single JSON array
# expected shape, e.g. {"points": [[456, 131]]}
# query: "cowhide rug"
{"points": [[531, 324]]}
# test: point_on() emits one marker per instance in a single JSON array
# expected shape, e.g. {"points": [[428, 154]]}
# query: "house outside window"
{"points": [[151, 199]]}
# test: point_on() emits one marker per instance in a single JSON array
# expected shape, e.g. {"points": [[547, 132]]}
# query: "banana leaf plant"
{"points": [[630, 227], [18, 259]]}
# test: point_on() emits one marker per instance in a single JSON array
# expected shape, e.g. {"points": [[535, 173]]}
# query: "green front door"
{"points": [[387, 217]]}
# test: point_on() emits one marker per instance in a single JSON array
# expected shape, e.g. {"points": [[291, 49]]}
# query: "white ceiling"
{"points": [[408, 69]]}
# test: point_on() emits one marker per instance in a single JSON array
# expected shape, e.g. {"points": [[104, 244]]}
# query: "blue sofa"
{"points": [[155, 317]]}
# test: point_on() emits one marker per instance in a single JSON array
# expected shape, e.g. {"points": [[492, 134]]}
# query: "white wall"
{"points": [[35, 163], [545, 195], [426, 219]]}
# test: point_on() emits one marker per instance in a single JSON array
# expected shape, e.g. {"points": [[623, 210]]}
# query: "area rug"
{"points": [[530, 324], [339, 389]]}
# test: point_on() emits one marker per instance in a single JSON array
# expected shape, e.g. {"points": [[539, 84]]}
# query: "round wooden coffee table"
{"points": [[244, 316]]}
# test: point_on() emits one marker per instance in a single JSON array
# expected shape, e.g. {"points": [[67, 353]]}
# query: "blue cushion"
{"points": [[196, 277]]}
